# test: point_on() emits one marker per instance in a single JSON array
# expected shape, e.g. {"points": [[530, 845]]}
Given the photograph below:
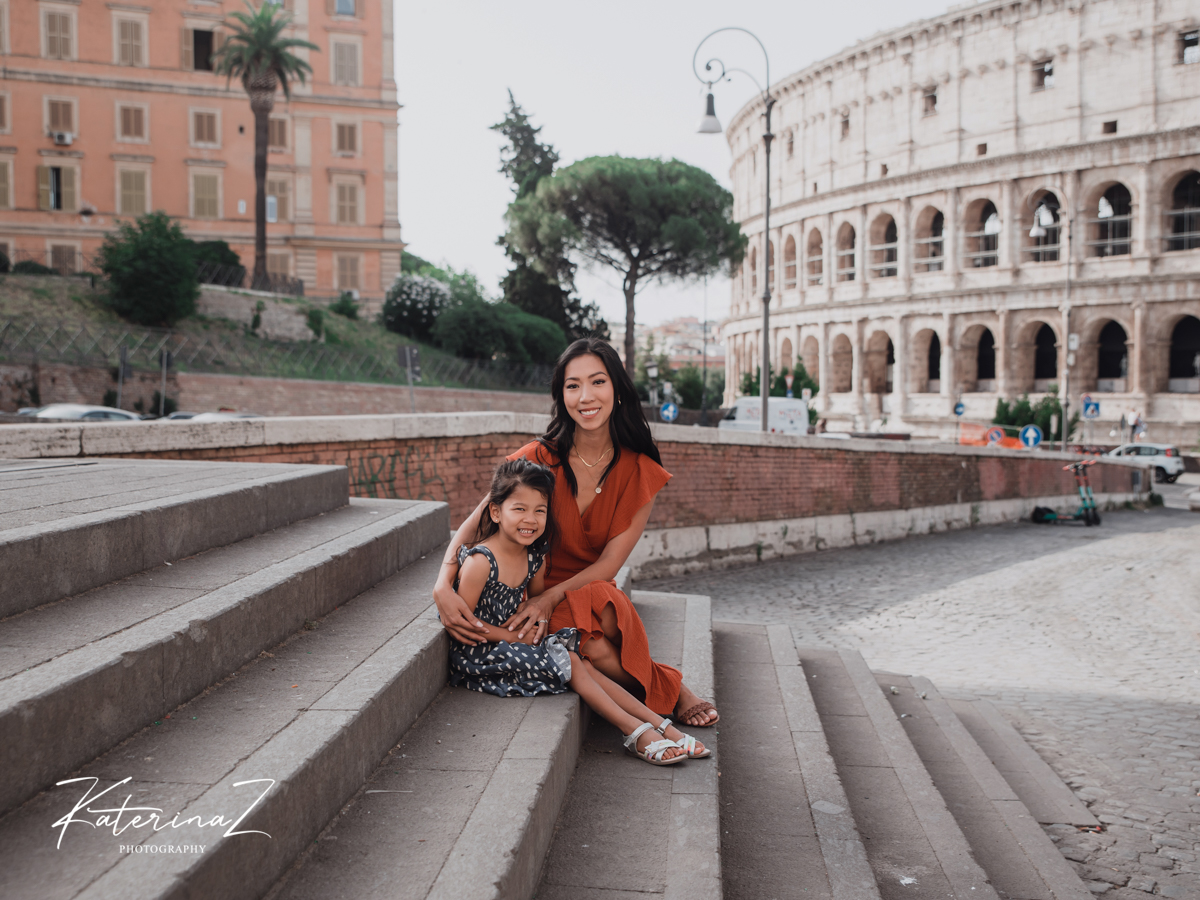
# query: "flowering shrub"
{"points": [[413, 304]]}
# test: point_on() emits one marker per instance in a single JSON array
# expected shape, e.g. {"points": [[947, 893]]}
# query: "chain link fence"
{"points": [[26, 340]]}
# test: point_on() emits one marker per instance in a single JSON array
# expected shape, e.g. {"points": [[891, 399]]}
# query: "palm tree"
{"points": [[256, 53]]}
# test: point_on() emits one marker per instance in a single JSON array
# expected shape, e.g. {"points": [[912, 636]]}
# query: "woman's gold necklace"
{"points": [[596, 463]]}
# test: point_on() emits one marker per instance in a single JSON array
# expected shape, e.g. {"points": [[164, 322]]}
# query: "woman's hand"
{"points": [[457, 617], [533, 616]]}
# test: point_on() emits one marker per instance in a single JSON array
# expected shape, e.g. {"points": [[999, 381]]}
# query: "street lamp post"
{"points": [[1043, 218], [710, 125]]}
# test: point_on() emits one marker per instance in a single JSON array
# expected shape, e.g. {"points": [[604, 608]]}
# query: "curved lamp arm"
{"points": [[724, 73]]}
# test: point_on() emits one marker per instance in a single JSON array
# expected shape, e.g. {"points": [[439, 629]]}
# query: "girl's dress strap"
{"points": [[464, 552]]}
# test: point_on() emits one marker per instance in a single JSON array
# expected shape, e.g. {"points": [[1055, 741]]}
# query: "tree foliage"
{"points": [[151, 270], [802, 380], [648, 219], [476, 329], [1019, 413], [413, 304], [526, 161]]}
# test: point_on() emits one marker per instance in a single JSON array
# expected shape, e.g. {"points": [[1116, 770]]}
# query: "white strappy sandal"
{"points": [[652, 752], [687, 743]]}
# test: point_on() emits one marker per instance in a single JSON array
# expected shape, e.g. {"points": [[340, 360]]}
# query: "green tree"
{"points": [[413, 304], [1020, 413], [648, 219], [477, 329], [526, 161], [256, 53], [151, 270], [802, 380]]}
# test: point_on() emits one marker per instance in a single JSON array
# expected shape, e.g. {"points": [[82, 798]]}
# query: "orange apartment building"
{"points": [[111, 109]]}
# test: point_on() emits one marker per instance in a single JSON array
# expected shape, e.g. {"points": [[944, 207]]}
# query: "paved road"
{"points": [[1087, 638]]}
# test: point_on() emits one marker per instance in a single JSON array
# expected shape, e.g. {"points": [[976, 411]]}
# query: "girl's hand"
{"points": [[457, 617], [530, 615]]}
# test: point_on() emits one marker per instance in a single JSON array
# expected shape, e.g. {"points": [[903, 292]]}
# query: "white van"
{"points": [[786, 415]]}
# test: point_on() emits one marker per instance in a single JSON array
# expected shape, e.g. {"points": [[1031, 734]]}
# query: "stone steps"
{"points": [[130, 652]]}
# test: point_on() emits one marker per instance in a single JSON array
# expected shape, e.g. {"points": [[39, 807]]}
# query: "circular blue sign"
{"points": [[669, 412], [995, 435], [1031, 436], [959, 408]]}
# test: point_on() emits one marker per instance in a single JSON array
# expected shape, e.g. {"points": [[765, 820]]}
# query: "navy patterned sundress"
{"points": [[510, 669]]}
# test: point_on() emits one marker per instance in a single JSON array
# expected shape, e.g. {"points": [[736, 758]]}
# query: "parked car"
{"points": [[1168, 462], [182, 415], [224, 416], [82, 412]]}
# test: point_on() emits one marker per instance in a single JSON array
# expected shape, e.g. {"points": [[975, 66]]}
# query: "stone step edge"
{"points": [[181, 652], [133, 538], [318, 762], [1051, 866], [966, 877], [1049, 785], [845, 857]]}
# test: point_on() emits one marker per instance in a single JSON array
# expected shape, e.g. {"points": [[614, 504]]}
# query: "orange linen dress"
{"points": [[632, 483]]}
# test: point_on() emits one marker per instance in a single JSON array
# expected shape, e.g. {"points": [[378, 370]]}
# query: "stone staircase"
{"points": [[247, 647]]}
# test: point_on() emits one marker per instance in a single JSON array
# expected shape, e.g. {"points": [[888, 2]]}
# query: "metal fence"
{"points": [[241, 277], [26, 340]]}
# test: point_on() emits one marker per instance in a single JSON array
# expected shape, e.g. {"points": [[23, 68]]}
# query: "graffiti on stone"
{"points": [[407, 473]]}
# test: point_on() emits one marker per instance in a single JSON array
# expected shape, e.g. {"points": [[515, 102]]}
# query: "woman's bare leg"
{"points": [[631, 704], [584, 684]]}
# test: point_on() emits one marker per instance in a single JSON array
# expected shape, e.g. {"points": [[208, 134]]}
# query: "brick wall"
{"points": [[45, 383], [715, 482]]}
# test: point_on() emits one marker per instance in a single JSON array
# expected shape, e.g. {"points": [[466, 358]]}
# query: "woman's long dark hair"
{"points": [[627, 425], [510, 475]]}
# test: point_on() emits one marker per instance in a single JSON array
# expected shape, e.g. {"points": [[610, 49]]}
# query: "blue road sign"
{"points": [[959, 408], [995, 435], [1091, 409], [669, 412], [1031, 436]]}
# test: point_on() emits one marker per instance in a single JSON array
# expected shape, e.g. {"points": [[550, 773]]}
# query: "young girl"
{"points": [[511, 541]]}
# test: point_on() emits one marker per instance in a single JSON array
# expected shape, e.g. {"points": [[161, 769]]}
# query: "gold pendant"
{"points": [[597, 490]]}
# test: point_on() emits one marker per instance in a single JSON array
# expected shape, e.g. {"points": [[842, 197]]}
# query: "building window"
{"points": [[883, 170], [5, 185], [1189, 47], [133, 192], [929, 107], [133, 123], [345, 63], [63, 258], [197, 49], [347, 272], [347, 204], [1043, 74], [789, 263], [1113, 223], [129, 43], [845, 127], [1044, 231], [814, 260], [58, 35], [983, 243], [204, 128], [347, 138], [981, 149], [56, 188], [845, 253], [885, 249], [277, 200], [930, 243], [1109, 128], [277, 134], [1185, 214], [60, 115], [343, 7], [205, 196]]}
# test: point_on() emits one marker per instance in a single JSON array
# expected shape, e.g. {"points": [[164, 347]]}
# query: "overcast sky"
{"points": [[602, 78]]}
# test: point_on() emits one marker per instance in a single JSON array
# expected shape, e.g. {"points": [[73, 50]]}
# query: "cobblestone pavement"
{"points": [[1087, 638]]}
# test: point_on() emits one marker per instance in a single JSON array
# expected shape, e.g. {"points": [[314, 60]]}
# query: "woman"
{"points": [[608, 472]]}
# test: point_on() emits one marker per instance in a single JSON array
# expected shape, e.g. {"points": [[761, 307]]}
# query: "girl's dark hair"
{"points": [[627, 425], [510, 475]]}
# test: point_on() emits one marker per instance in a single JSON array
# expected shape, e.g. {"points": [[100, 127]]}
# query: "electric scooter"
{"points": [[1087, 513]]}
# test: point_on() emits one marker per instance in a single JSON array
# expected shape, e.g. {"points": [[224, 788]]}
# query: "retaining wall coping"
{"points": [[109, 439]]}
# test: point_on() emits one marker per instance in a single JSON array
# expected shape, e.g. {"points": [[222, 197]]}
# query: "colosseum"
{"points": [[976, 205]]}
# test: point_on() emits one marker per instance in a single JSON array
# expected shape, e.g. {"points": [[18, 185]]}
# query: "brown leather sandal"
{"points": [[702, 706]]}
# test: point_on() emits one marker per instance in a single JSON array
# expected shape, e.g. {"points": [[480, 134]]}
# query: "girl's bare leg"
{"points": [[629, 703], [607, 658], [584, 684]]}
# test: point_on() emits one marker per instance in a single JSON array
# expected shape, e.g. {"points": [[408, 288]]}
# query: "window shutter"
{"points": [[68, 188], [186, 49], [43, 182], [5, 199]]}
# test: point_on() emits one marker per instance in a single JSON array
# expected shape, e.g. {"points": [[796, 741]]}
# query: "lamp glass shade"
{"points": [[992, 225], [651, 371], [709, 123]]}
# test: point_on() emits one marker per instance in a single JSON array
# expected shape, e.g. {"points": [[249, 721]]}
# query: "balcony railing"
{"points": [[1113, 237], [815, 265], [845, 265], [986, 252], [884, 256], [1183, 231], [934, 257]]}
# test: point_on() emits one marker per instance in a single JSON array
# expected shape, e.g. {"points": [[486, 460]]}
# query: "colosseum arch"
{"points": [[925, 362], [753, 272], [841, 365], [884, 247], [789, 263], [814, 258], [1183, 217], [1183, 359], [929, 246], [1112, 358], [976, 357], [845, 252], [786, 359], [1109, 214], [879, 358], [1034, 364], [982, 235], [1041, 230], [810, 353]]}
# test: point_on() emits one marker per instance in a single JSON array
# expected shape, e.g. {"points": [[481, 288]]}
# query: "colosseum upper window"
{"points": [[983, 240], [814, 258], [1184, 217], [1189, 47], [1043, 74], [845, 253], [929, 107], [929, 244], [1043, 240], [789, 263], [845, 127], [1112, 224], [884, 248]]}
